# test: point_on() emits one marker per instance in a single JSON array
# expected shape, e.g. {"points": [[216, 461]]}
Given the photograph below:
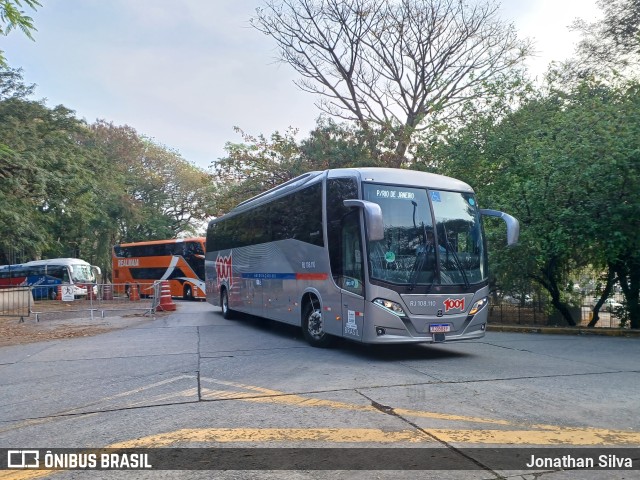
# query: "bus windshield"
{"points": [[424, 248], [82, 273]]}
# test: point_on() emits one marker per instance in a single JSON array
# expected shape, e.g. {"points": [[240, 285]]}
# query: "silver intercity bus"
{"points": [[374, 255]]}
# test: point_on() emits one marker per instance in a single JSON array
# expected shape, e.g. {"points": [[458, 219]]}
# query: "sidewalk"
{"points": [[610, 332]]}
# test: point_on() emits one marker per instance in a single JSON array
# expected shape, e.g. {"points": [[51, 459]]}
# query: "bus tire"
{"points": [[188, 293], [313, 326], [53, 293], [227, 313]]}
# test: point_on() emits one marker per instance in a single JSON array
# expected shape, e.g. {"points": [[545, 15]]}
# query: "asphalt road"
{"points": [[193, 379]]}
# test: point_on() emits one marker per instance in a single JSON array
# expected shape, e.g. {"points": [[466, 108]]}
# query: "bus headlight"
{"points": [[478, 305], [393, 307]]}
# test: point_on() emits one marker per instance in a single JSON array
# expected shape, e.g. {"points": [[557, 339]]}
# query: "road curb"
{"points": [[610, 332]]}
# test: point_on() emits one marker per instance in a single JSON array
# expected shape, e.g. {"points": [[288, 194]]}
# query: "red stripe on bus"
{"points": [[311, 276]]}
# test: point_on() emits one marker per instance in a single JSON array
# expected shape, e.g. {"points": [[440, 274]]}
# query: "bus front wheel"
{"points": [[313, 326]]}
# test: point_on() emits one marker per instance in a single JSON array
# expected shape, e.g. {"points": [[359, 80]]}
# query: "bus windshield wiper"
{"points": [[455, 257], [414, 277], [418, 265], [421, 258]]}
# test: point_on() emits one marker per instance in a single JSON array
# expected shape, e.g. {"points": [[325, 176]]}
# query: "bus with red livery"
{"points": [[46, 276], [374, 255]]}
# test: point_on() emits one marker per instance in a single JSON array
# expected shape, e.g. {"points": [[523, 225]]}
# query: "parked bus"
{"points": [[44, 276], [373, 255], [180, 261]]}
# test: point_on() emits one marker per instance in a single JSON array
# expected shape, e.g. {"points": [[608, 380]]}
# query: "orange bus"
{"points": [[180, 261]]}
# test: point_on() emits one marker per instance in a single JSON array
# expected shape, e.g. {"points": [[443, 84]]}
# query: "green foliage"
{"points": [[261, 163], [610, 46], [12, 17], [256, 165], [149, 192], [39, 155], [72, 189], [566, 165]]}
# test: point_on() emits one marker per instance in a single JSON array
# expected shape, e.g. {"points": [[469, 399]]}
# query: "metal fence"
{"points": [[542, 313], [104, 299], [16, 302], [101, 299]]}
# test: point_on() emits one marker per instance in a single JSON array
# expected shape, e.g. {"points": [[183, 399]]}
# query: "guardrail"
{"points": [[101, 299]]}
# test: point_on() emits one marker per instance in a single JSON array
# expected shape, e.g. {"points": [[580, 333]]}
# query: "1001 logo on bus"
{"points": [[454, 304], [224, 269]]}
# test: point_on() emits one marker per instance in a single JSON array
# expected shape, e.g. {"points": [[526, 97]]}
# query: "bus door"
{"points": [[345, 252], [352, 283]]}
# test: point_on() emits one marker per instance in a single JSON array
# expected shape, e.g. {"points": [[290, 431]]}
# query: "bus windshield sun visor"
{"points": [[373, 217]]}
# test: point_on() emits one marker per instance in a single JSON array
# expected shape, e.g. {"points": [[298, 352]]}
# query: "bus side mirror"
{"points": [[373, 218], [513, 226], [96, 272]]}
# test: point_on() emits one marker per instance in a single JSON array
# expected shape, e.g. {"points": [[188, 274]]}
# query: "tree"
{"points": [[46, 180], [11, 17], [612, 44], [255, 165], [394, 66], [153, 193], [260, 163], [341, 145], [509, 164], [566, 164], [76, 190]]}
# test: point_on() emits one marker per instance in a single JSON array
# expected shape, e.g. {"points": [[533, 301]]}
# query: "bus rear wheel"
{"points": [[313, 326], [187, 294], [227, 313]]}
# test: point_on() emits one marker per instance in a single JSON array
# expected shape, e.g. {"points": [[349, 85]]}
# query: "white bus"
{"points": [[45, 276], [374, 255]]}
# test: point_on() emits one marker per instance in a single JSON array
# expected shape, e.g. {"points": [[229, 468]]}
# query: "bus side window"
{"points": [[61, 273]]}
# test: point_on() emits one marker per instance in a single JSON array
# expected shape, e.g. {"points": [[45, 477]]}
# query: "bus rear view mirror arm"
{"points": [[373, 217], [513, 226]]}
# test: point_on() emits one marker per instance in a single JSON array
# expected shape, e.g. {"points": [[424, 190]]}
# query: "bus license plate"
{"points": [[439, 328]]}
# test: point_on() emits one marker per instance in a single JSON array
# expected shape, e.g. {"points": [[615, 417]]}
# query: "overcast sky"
{"points": [[185, 72]]}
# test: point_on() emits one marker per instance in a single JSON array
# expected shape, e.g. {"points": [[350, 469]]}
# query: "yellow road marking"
{"points": [[559, 436], [530, 435], [539, 434], [229, 435], [274, 396]]}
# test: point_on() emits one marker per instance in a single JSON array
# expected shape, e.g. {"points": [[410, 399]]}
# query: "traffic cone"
{"points": [[59, 293], [134, 295], [166, 302]]}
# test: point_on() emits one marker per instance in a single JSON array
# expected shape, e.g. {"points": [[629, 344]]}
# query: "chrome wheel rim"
{"points": [[314, 324]]}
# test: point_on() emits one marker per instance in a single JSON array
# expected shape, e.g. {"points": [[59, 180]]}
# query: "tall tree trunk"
{"points": [[548, 280], [629, 277], [611, 276]]}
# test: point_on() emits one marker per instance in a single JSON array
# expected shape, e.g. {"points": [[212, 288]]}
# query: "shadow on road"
{"points": [[422, 351]]}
